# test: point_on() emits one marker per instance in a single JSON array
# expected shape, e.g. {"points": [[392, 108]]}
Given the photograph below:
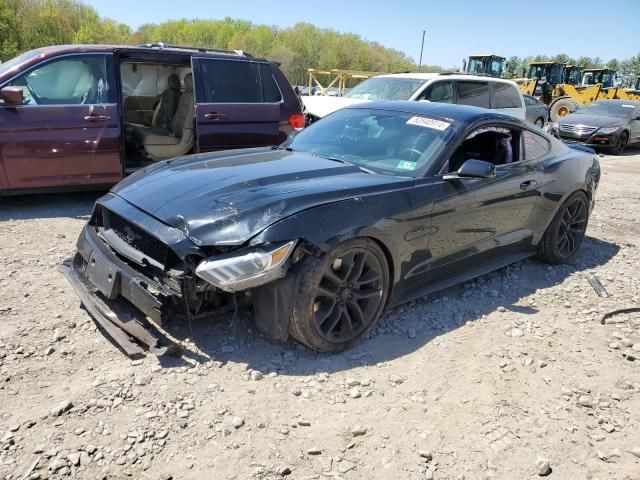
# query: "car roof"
{"points": [[448, 75], [462, 113], [156, 48]]}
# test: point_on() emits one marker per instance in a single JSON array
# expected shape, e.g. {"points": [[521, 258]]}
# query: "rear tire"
{"points": [[341, 296], [621, 143], [561, 107], [564, 234]]}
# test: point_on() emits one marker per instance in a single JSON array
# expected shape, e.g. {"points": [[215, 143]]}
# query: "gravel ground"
{"points": [[507, 377]]}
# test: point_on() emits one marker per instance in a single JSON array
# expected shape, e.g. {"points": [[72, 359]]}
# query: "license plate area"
{"points": [[104, 276]]}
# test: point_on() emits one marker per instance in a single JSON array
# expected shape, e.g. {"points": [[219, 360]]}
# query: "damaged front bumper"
{"points": [[109, 291]]}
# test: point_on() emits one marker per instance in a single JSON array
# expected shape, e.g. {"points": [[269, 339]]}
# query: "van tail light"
{"points": [[296, 120]]}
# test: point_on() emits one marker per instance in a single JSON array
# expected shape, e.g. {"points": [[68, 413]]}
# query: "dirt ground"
{"points": [[490, 379]]}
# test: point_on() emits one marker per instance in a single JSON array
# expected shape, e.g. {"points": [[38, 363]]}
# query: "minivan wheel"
{"points": [[539, 122], [341, 296], [621, 143], [564, 235]]}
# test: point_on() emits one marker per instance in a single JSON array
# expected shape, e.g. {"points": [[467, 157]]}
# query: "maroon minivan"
{"points": [[85, 116]]}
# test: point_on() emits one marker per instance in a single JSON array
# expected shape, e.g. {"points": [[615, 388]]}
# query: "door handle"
{"points": [[214, 116], [528, 184], [96, 118]]}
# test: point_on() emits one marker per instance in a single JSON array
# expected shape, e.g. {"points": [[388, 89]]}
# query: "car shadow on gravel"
{"points": [[49, 205], [402, 330]]}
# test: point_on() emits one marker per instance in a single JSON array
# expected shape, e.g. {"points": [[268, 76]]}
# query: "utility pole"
{"points": [[421, 50]]}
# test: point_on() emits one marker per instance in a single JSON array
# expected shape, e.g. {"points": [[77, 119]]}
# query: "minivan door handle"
{"points": [[528, 184], [214, 116], [96, 118]]}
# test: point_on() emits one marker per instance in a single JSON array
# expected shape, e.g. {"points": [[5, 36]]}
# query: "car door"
{"points": [[66, 132], [478, 220], [237, 104]]}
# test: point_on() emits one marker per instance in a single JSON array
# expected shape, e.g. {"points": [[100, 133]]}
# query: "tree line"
{"points": [[28, 24], [517, 67]]}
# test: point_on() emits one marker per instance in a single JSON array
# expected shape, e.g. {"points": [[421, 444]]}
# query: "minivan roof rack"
{"points": [[197, 49]]}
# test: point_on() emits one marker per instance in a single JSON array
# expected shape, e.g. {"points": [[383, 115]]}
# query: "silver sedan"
{"points": [[537, 111]]}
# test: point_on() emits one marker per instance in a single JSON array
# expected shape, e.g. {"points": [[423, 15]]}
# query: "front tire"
{"points": [[621, 143], [341, 296], [564, 235], [561, 107], [539, 122]]}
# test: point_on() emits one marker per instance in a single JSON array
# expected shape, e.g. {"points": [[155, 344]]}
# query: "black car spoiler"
{"points": [[582, 148]]}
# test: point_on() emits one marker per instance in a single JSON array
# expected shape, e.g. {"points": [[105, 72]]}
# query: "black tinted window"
{"points": [[441, 92], [229, 81], [270, 91], [535, 146], [474, 93], [505, 96]]}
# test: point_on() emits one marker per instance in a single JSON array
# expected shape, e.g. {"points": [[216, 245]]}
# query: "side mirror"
{"points": [[12, 95], [473, 169]]}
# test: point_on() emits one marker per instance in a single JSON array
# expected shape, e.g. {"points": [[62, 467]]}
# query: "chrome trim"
{"points": [[577, 129]]}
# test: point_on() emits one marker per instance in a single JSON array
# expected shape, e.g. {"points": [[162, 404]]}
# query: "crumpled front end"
{"points": [[131, 268]]}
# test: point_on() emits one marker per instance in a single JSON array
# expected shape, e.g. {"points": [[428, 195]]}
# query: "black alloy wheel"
{"points": [[341, 296], [348, 296], [566, 231], [621, 143], [572, 227]]}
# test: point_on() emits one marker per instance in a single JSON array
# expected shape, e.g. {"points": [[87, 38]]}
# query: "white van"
{"points": [[479, 91]]}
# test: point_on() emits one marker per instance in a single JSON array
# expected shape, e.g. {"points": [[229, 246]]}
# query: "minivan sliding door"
{"points": [[237, 104]]}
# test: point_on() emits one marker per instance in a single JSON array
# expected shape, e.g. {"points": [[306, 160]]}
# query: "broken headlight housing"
{"points": [[246, 268]]}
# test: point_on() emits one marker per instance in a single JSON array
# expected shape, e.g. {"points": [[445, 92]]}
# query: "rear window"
{"points": [[233, 81], [505, 96], [474, 93], [270, 91]]}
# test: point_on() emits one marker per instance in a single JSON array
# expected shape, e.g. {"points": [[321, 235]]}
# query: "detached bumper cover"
{"points": [[109, 291]]}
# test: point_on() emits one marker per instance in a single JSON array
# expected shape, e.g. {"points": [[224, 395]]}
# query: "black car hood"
{"points": [[593, 120], [226, 198]]}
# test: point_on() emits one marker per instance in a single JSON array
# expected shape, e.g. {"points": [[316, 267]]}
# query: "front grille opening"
{"points": [[135, 237]]}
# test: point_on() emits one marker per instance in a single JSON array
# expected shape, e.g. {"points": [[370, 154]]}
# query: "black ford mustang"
{"points": [[372, 206]]}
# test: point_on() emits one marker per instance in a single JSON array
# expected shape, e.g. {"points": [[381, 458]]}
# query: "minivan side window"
{"points": [[441, 92], [234, 81], [72, 80], [505, 96], [535, 146], [473, 93]]}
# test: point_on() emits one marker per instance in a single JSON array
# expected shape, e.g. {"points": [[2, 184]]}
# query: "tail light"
{"points": [[296, 120]]}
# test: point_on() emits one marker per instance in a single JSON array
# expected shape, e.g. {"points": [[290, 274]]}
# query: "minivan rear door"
{"points": [[66, 132], [238, 104]]}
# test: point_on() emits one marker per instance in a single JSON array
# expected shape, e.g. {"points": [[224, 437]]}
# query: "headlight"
{"points": [[247, 268], [608, 130], [553, 125]]}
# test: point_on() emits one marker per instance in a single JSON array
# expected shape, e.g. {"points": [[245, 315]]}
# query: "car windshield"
{"points": [[623, 110], [396, 143], [14, 62], [386, 88]]}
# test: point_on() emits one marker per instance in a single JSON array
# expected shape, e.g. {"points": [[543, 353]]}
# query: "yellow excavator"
{"points": [[559, 86], [488, 64], [607, 78]]}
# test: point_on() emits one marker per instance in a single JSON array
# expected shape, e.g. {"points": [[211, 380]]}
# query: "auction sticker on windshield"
{"points": [[428, 123], [406, 165]]}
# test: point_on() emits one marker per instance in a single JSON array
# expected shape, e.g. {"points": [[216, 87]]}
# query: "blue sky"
{"points": [[455, 29]]}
